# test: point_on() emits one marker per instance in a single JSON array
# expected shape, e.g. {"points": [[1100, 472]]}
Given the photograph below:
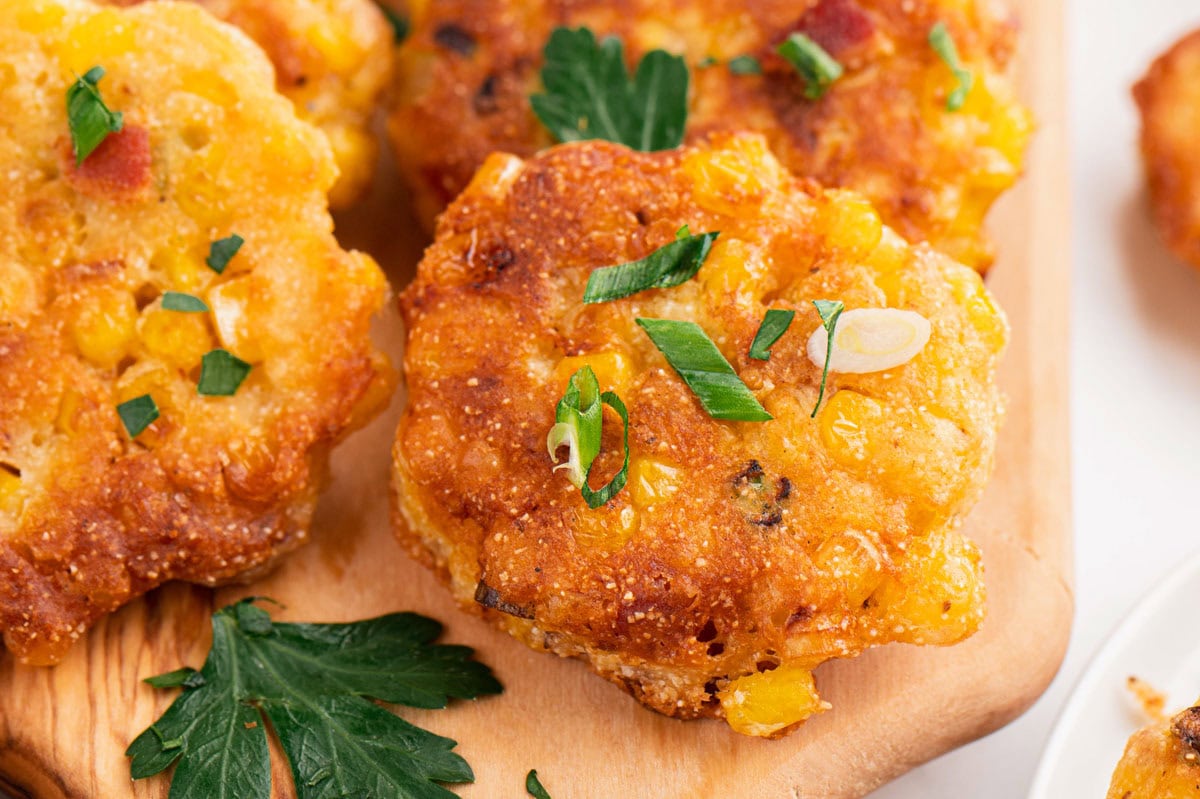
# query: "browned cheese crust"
{"points": [[333, 60], [1169, 99], [741, 555], [469, 66], [1161, 761], [217, 486]]}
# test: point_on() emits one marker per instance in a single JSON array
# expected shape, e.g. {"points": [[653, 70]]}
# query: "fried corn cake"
{"points": [[739, 556], [333, 59], [1169, 99], [122, 282], [467, 70], [1161, 761]]}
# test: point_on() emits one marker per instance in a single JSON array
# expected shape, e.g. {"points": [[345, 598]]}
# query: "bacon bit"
{"points": [[117, 169], [837, 25]]}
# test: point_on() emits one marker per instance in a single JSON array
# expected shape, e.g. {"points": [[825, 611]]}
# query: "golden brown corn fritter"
{"points": [[741, 555], [217, 486], [1161, 761], [333, 59], [1169, 99], [467, 70]]}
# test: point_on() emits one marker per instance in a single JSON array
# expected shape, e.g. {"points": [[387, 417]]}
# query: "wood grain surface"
{"points": [[63, 730]]}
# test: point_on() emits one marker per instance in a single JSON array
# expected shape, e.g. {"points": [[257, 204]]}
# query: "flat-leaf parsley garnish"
{"points": [[943, 44], [578, 423], [221, 252], [89, 119], [221, 372], [666, 267], [745, 65], [773, 326], [533, 786], [829, 311], [314, 684], [697, 360], [184, 303], [589, 94], [818, 68], [137, 414]]}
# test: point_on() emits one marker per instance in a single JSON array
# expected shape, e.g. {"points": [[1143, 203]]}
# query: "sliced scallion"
{"points": [[137, 414], [221, 252], [829, 311], [221, 373], [773, 326], [184, 303], [579, 422], [668, 266], [818, 68], [943, 44]]}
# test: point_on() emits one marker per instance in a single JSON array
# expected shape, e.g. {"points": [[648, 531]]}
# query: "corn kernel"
{"points": [[354, 152], [185, 270], [180, 339], [289, 158], [740, 172], [852, 226], [68, 412], [732, 266], [652, 481], [495, 178], [97, 40], [849, 423], [936, 597], [334, 41], [12, 492], [41, 18], [982, 311], [613, 369], [851, 561], [211, 87], [104, 327], [769, 702], [233, 305], [605, 528]]}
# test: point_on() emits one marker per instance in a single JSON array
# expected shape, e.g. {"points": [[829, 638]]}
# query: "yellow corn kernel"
{"points": [[211, 87], [104, 327], [299, 155], [603, 528], [333, 39], [852, 562], [18, 294], [97, 39], [852, 227], [68, 411], [982, 310], [354, 152], [185, 270], [732, 266], [652, 481], [41, 18], [741, 171], [180, 339], [12, 493], [233, 307], [889, 260], [767, 703], [936, 596], [613, 369], [496, 176], [849, 422]]}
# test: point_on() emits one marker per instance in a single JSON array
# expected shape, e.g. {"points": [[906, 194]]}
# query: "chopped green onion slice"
{"points": [[221, 373], [668, 266], [943, 44], [533, 786], [221, 251], [706, 62], [137, 414], [829, 311], [579, 421], [398, 22], [185, 303], [697, 360], [745, 65], [817, 67], [773, 326], [683, 232], [89, 119]]}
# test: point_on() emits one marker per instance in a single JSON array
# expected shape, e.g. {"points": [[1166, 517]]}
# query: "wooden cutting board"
{"points": [[63, 730]]}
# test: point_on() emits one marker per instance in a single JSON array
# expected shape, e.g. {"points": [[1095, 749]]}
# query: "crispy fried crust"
{"points": [[218, 485], [1169, 99], [333, 59], [737, 547], [1161, 761], [467, 70]]}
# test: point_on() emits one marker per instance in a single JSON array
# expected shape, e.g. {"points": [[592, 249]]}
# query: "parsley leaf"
{"points": [[221, 252], [943, 44], [818, 68], [829, 311], [184, 303], [589, 94], [221, 373], [312, 683], [745, 65], [89, 119], [533, 786], [137, 414]]}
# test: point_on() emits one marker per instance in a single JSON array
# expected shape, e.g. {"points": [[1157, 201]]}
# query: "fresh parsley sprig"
{"points": [[312, 683], [137, 414], [943, 44], [666, 267], [589, 93], [829, 311], [533, 786], [579, 423], [89, 119]]}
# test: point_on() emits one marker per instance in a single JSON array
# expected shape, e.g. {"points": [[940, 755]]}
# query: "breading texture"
{"points": [[467, 70], [333, 59], [1161, 761], [217, 486], [1169, 99], [741, 555]]}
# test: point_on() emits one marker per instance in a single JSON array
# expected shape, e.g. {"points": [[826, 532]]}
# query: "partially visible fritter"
{"points": [[1169, 99], [467, 70], [93, 509], [741, 555], [333, 59], [1161, 761]]}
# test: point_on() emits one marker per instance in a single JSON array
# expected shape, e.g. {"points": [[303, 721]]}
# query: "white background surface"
{"points": [[1135, 382]]}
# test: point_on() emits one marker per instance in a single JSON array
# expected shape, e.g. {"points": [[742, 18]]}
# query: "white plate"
{"points": [[1159, 642]]}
